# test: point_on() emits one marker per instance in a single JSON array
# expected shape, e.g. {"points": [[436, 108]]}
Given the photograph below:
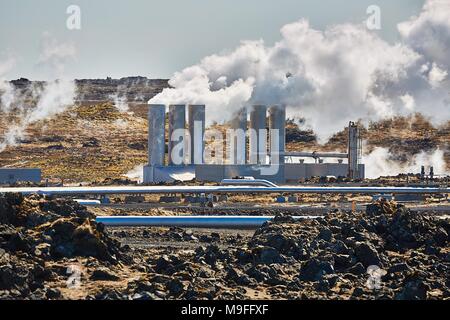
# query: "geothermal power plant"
{"points": [[308, 163], [255, 147], [232, 209]]}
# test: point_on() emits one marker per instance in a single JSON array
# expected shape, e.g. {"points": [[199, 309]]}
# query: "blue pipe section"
{"points": [[190, 221]]}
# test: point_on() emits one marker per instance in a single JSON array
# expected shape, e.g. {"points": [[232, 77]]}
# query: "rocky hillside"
{"points": [[133, 89], [86, 143], [93, 141]]}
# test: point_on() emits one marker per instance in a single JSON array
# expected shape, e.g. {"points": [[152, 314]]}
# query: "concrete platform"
{"points": [[156, 174], [288, 172], [13, 175]]}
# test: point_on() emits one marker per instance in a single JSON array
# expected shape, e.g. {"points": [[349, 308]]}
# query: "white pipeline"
{"points": [[104, 190]]}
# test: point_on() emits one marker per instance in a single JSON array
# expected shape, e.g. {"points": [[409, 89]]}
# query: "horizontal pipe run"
{"points": [[104, 190], [247, 182], [190, 221], [87, 202], [317, 154]]}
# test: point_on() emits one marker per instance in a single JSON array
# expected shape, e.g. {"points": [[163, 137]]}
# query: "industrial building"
{"points": [[256, 148], [14, 175]]}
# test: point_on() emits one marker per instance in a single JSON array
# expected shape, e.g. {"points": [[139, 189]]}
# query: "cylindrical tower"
{"points": [[238, 141], [354, 151], [177, 121], [258, 135], [196, 115], [156, 134], [277, 127]]}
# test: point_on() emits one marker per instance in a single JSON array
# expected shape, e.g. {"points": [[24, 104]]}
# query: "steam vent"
{"points": [[255, 146]]}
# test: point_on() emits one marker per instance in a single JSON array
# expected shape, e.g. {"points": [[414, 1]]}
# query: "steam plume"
{"points": [[343, 73], [54, 97]]}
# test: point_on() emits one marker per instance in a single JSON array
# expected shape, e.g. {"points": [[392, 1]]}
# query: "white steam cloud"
{"points": [[53, 98], [137, 173], [120, 102], [428, 33], [343, 73], [55, 54], [379, 163], [7, 93]]}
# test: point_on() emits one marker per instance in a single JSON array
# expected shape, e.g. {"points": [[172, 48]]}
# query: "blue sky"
{"points": [[155, 38]]}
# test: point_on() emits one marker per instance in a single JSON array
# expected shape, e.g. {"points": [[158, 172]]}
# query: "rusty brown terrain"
{"points": [[92, 141], [54, 249]]}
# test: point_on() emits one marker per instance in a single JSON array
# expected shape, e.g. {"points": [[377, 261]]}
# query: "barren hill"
{"points": [[93, 141]]}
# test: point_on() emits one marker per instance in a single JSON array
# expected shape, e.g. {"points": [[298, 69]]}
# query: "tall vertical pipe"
{"points": [[258, 135], [156, 134], [196, 132], [177, 121], [277, 126], [353, 151], [237, 140]]}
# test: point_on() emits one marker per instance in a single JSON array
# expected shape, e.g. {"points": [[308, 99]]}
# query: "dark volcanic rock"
{"points": [[413, 290], [357, 269], [367, 254], [325, 234], [238, 277], [211, 254], [75, 236], [164, 264], [399, 268], [342, 261], [325, 258], [17, 242], [175, 286], [386, 235], [267, 255], [314, 269], [8, 277], [104, 274]]}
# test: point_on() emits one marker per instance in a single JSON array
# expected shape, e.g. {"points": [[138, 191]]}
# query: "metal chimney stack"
{"points": [[277, 121], [238, 142], [156, 134], [196, 114], [258, 135], [177, 120], [353, 150]]}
